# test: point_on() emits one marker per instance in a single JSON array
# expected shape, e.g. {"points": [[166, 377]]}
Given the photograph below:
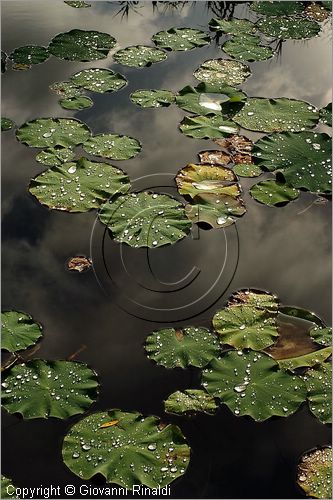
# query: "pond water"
{"points": [[112, 310]]}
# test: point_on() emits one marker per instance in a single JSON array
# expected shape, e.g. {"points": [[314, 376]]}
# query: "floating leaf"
{"points": [[322, 336], [325, 114], [247, 170], [222, 72], [76, 103], [8, 490], [251, 383], [182, 348], [181, 39], [306, 360], [190, 402], [283, 8], [254, 298], [247, 48], [139, 56], [55, 156], [288, 27], [115, 147], [3, 61], [276, 115], [273, 193], [42, 389], [77, 4], [135, 451], [298, 312], [145, 219], [207, 127], [153, 98], [244, 326], [52, 132], [66, 89], [216, 210], [319, 384], [316, 12], [109, 424], [99, 80], [19, 331], [80, 45], [233, 26], [314, 473], [6, 124], [236, 144], [303, 158], [214, 157], [208, 99], [79, 264], [78, 186], [24, 57], [197, 179]]}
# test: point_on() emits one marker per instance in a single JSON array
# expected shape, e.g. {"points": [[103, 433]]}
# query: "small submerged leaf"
{"points": [[298, 312], [6, 124], [283, 8], [79, 264], [51, 132], [222, 72], [18, 331], [273, 193], [288, 27], [247, 48], [207, 127], [135, 451], [325, 114], [153, 98], [24, 57], [190, 402], [319, 384], [80, 45], [76, 103], [55, 156], [181, 39], [139, 56], [314, 472], [66, 89], [322, 336], [99, 80], [233, 26], [306, 360], [181, 348], [115, 147]]}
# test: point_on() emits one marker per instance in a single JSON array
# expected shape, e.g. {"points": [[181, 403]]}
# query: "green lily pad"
{"points": [[283, 8], [43, 389], [276, 115], [273, 193], [153, 98], [207, 127], [99, 80], [6, 124], [247, 170], [319, 384], [8, 489], [198, 179], [181, 348], [181, 39], [76, 103], [77, 4], [127, 449], [115, 147], [78, 186], [190, 402], [3, 61], [245, 326], [55, 156], [251, 383], [80, 45], [325, 114], [19, 331], [145, 219], [208, 99], [314, 472], [232, 27], [139, 56], [215, 210], [298, 312], [288, 27], [247, 48], [307, 360], [254, 298], [222, 72], [66, 89], [52, 132], [322, 336], [24, 57], [303, 158]]}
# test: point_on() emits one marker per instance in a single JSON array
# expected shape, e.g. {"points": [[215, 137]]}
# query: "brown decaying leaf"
{"points": [[236, 144], [242, 158], [179, 335], [214, 157], [109, 424], [316, 12], [79, 263]]}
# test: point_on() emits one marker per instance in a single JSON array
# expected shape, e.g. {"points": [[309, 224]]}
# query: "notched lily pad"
{"points": [[207, 127], [181, 348], [273, 193], [43, 389], [24, 57], [139, 56], [314, 472], [307, 360], [190, 402], [76, 103], [318, 381], [55, 156], [79, 264], [181, 39], [322, 336], [80, 45], [99, 80], [254, 298], [288, 27], [6, 124], [247, 48], [65, 89], [233, 26], [18, 331], [222, 72], [284, 8], [135, 450], [197, 179], [115, 147], [217, 211], [153, 98]]}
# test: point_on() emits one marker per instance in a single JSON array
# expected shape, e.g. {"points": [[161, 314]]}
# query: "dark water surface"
{"points": [[285, 250]]}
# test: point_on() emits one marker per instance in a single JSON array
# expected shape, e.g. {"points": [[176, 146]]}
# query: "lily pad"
{"points": [[307, 360], [222, 72], [8, 489], [288, 27], [139, 56], [76, 103], [236, 144], [66, 89], [99, 80], [214, 157], [145, 219], [314, 473], [247, 170], [55, 156], [243, 326], [43, 389], [303, 158], [190, 402], [247, 48], [115, 147], [6, 124], [181, 39], [208, 99], [255, 298], [251, 383], [77, 4], [153, 98], [298, 312], [207, 127], [127, 449], [198, 179], [181, 348], [3, 61], [18, 331], [325, 114], [233, 26], [273, 193], [78, 186], [276, 115], [24, 57], [283, 8], [216, 210], [319, 384], [322, 336], [52, 132], [81, 45]]}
